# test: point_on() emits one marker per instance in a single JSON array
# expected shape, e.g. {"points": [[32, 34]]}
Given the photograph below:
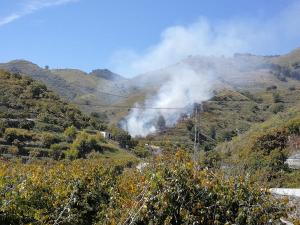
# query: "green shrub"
{"points": [[14, 150], [123, 137], [48, 127], [57, 150], [271, 140], [83, 144], [37, 89], [172, 191], [228, 135], [2, 127], [276, 97], [276, 108], [141, 151], [48, 139], [70, 133], [293, 126], [292, 88], [36, 152], [12, 134], [212, 159], [72, 154]]}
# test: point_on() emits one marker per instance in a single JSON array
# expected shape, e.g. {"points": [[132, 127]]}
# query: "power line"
{"points": [[131, 107], [106, 93]]}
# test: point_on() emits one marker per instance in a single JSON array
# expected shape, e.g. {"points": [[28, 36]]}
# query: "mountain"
{"points": [[88, 90], [106, 74], [242, 72], [30, 69], [102, 87]]}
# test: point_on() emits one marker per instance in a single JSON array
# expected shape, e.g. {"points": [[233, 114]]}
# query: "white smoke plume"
{"points": [[184, 86], [274, 35], [175, 97]]}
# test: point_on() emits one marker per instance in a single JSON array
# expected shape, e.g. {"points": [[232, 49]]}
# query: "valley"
{"points": [[60, 129]]}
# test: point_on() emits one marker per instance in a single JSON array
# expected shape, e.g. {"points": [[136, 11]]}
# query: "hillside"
{"points": [[100, 87], [44, 75], [263, 150], [242, 72], [36, 123]]}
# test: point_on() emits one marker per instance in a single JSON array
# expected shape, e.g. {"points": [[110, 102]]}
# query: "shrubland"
{"points": [[36, 123], [171, 190]]}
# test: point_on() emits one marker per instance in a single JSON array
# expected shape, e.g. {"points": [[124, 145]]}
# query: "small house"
{"points": [[106, 135]]}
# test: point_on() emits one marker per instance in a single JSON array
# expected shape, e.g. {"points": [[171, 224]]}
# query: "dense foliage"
{"points": [[35, 122], [170, 191], [263, 151]]}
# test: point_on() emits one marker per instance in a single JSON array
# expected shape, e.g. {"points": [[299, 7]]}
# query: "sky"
{"points": [[126, 35]]}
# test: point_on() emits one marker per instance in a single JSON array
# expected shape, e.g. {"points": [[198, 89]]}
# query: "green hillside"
{"points": [[262, 150], [41, 74], [100, 87], [36, 123]]}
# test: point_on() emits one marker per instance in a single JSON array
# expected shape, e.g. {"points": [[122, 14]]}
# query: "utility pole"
{"points": [[196, 130]]}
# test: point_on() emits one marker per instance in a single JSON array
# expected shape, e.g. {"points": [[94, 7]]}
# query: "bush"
{"points": [[70, 133], [83, 144], [141, 151], [172, 191], [276, 139], [2, 127], [37, 89], [48, 139], [48, 127], [36, 152], [26, 124], [276, 97], [228, 135], [123, 137], [12, 134], [293, 126], [72, 153], [189, 125], [100, 115], [292, 88], [276, 108], [14, 150], [57, 150], [212, 159], [271, 88]]}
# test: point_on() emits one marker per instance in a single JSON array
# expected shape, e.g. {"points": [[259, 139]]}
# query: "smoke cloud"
{"points": [[176, 96], [184, 85]]}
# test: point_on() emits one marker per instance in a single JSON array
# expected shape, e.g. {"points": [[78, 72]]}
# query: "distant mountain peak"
{"points": [[106, 74]]}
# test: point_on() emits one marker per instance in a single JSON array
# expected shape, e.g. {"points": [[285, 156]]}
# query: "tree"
{"points": [[161, 123], [125, 140], [83, 144], [37, 89], [70, 133], [48, 139], [213, 132], [276, 97]]}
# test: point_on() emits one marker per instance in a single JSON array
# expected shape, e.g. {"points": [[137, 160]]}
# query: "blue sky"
{"points": [[88, 34]]}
